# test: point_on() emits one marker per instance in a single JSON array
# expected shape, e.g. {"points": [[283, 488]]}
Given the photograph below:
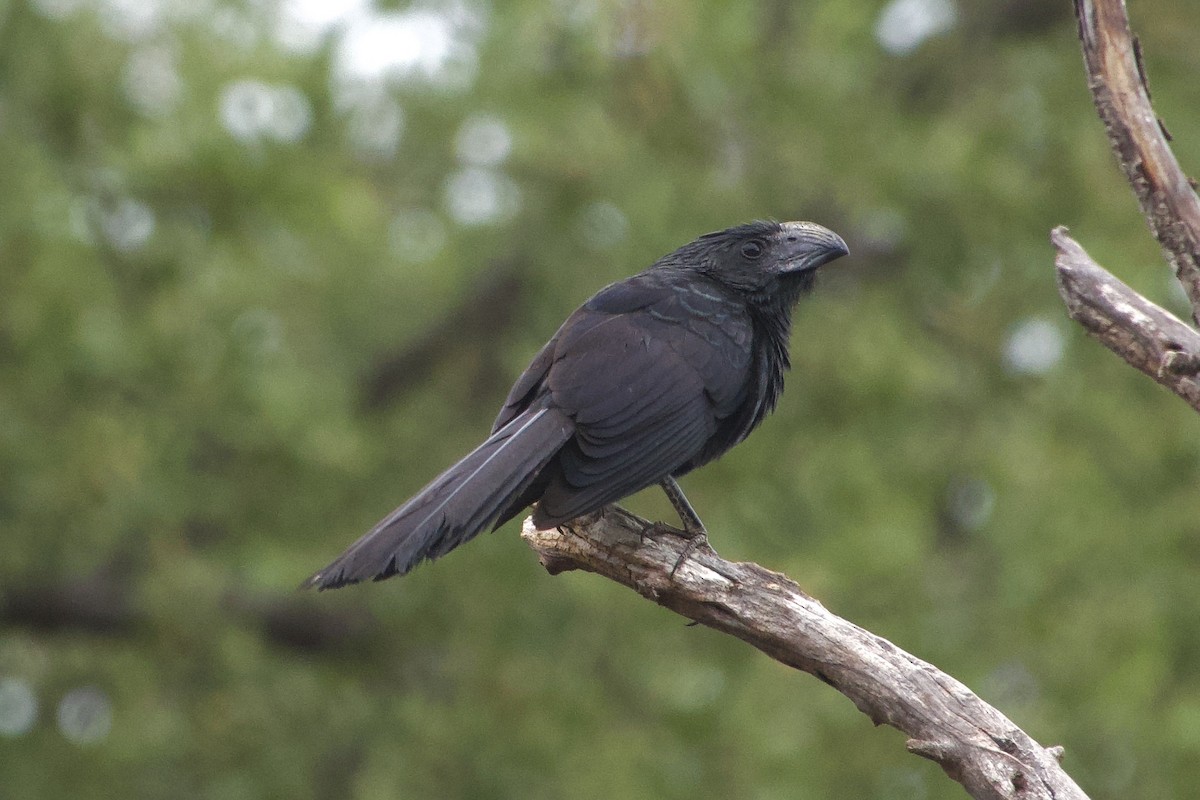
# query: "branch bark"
{"points": [[974, 743], [1147, 336], [1112, 58]]}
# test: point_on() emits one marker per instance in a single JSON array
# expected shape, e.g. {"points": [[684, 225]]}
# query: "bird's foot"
{"points": [[696, 539], [693, 528]]}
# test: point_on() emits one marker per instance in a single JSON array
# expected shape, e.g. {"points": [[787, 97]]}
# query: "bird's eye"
{"points": [[752, 249]]}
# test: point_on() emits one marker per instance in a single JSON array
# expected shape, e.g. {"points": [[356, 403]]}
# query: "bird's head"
{"points": [[771, 260]]}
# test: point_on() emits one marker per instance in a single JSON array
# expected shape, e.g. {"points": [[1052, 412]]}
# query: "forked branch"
{"points": [[1112, 58], [1146, 336]]}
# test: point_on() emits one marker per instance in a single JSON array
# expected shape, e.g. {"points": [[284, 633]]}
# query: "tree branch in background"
{"points": [[104, 604], [475, 322], [1113, 59], [1146, 336], [974, 743]]}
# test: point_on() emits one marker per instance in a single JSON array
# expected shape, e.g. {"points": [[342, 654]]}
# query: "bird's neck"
{"points": [[773, 326], [772, 317]]}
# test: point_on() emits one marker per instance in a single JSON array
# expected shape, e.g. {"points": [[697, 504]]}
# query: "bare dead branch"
{"points": [[1148, 337], [1115, 76], [974, 743]]}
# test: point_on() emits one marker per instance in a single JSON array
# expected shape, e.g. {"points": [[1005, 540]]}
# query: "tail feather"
{"points": [[457, 505]]}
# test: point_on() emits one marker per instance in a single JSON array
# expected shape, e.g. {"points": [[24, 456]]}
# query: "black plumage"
{"points": [[651, 378]]}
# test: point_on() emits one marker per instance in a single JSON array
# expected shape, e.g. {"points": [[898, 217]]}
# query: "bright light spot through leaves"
{"points": [[85, 715], [970, 502], [18, 707], [124, 223], [603, 225], [252, 110], [436, 46], [482, 197], [1033, 347], [483, 141], [151, 81], [905, 24]]}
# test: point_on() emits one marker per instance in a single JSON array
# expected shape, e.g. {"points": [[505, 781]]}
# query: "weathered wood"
{"points": [[1167, 198], [1145, 335], [974, 743]]}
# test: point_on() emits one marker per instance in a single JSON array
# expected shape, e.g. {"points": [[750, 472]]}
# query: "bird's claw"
{"points": [[695, 541]]}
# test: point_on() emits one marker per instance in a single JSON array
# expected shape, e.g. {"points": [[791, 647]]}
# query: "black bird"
{"points": [[651, 378]]}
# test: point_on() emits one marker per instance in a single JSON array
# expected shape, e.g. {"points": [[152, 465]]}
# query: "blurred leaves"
{"points": [[244, 311]]}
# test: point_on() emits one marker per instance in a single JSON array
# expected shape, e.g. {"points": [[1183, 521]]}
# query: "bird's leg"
{"points": [[693, 528]]}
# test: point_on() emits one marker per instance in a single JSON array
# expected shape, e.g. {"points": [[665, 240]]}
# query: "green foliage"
{"points": [[189, 319]]}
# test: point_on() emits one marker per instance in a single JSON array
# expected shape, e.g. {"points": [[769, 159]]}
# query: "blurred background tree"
{"points": [[266, 268]]}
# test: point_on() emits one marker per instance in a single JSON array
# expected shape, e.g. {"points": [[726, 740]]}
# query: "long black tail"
{"points": [[457, 505]]}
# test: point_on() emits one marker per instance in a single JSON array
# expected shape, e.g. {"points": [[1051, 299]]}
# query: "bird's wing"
{"points": [[527, 387], [623, 297], [646, 373]]}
